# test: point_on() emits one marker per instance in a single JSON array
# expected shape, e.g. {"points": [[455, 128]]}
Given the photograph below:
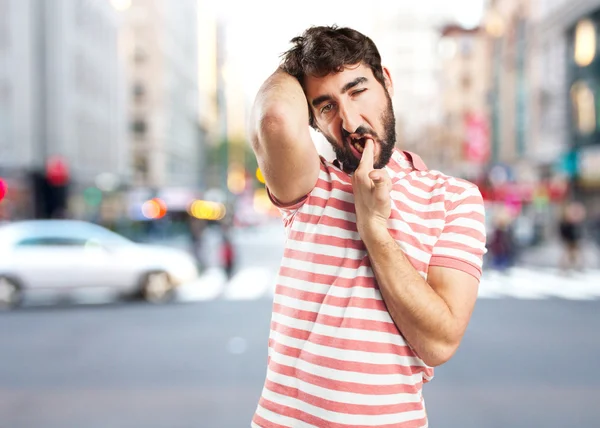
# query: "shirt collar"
{"points": [[403, 160]]}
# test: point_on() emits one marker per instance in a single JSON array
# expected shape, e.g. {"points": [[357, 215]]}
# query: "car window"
{"points": [[63, 233], [51, 241], [104, 236]]}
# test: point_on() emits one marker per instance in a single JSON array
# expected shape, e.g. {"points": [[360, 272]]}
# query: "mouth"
{"points": [[357, 144]]}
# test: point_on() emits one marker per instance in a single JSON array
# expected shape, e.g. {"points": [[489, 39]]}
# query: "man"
{"points": [[383, 257]]}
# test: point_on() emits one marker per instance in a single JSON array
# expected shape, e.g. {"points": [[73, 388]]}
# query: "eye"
{"points": [[327, 108], [360, 91]]}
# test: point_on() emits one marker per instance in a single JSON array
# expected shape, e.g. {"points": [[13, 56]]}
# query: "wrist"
{"points": [[374, 229]]}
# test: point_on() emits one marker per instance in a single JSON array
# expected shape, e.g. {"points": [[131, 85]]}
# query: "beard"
{"points": [[387, 143]]}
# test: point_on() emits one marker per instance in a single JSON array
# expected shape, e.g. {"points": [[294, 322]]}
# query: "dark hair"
{"points": [[320, 51]]}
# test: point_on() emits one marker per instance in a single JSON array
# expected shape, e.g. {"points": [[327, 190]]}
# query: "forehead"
{"points": [[333, 83]]}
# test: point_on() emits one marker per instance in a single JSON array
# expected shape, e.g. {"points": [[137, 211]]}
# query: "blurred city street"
{"points": [[528, 358], [139, 246]]}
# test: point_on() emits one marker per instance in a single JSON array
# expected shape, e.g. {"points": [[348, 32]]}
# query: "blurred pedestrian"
{"points": [[383, 257], [502, 246], [227, 253], [571, 234], [196, 231]]}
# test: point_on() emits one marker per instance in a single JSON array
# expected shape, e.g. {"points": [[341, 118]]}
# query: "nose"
{"points": [[350, 119]]}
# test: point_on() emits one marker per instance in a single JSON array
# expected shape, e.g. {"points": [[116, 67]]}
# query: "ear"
{"points": [[388, 81]]}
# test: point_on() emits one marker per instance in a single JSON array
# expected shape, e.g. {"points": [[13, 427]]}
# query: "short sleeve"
{"points": [[461, 244], [287, 210]]}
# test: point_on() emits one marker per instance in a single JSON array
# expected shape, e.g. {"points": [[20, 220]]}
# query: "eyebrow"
{"points": [[321, 99]]}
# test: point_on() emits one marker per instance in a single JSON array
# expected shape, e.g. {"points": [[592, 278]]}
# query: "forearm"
{"points": [[422, 316], [281, 140]]}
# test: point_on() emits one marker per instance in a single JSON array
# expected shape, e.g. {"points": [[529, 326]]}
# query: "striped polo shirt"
{"points": [[336, 358]]}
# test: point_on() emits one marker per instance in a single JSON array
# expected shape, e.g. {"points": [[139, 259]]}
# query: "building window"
{"points": [[139, 92], [584, 108], [139, 127], [585, 43], [139, 55], [466, 82]]}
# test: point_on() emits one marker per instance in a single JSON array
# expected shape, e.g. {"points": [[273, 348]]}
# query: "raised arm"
{"points": [[281, 140]]}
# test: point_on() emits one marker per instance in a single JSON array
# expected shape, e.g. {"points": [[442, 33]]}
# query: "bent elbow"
{"points": [[439, 354], [269, 123]]}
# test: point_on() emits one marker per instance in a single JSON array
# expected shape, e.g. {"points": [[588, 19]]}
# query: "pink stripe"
{"points": [[345, 344], [343, 386], [263, 423], [315, 317], [319, 422], [336, 407], [320, 278], [343, 262], [350, 366], [342, 302]]}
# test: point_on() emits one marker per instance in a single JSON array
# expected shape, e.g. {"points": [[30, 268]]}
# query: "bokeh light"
{"points": [[207, 210], [154, 209]]}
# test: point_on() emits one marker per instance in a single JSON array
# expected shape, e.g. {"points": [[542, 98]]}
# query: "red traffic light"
{"points": [[3, 189], [57, 171]]}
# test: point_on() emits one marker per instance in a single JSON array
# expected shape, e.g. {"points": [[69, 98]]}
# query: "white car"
{"points": [[66, 255]]}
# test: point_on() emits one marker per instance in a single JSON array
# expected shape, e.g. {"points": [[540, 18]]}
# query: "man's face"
{"points": [[349, 106]]}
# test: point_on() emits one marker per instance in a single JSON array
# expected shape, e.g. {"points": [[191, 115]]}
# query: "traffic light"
{"points": [[57, 171], [51, 188], [3, 189]]}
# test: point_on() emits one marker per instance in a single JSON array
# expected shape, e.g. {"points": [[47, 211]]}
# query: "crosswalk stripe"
{"points": [[518, 283]]}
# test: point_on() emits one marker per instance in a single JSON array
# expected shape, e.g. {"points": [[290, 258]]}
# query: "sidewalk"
{"points": [[549, 254]]}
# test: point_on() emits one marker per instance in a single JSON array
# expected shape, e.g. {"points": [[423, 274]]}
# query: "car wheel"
{"points": [[10, 293], [157, 287]]}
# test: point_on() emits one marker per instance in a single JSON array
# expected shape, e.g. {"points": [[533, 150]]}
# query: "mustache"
{"points": [[361, 131]]}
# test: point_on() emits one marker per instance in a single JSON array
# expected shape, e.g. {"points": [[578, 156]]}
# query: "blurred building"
{"points": [[464, 87], [507, 23], [407, 37], [160, 40], [207, 70], [567, 94], [60, 97]]}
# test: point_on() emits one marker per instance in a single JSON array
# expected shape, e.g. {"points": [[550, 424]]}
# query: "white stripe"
{"points": [[468, 209], [350, 254], [349, 398], [337, 193], [327, 250], [280, 419], [467, 185], [416, 220], [415, 191], [458, 254], [330, 211], [342, 418], [369, 336], [342, 272], [397, 195], [463, 239], [348, 376], [393, 224], [335, 213], [348, 197], [469, 223], [346, 354], [325, 230], [347, 312], [331, 290]]}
